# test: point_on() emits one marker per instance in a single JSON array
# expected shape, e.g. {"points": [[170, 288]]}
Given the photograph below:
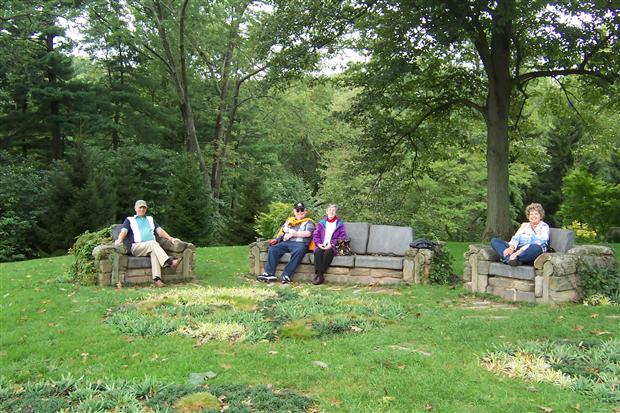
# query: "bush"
{"points": [[591, 201], [267, 223], [596, 281], [22, 203], [441, 267], [82, 269], [583, 233]]}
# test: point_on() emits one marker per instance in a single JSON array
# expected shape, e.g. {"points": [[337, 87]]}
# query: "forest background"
{"points": [[214, 112]]}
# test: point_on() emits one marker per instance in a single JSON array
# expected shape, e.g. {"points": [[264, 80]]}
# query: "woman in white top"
{"points": [[530, 240], [328, 231]]}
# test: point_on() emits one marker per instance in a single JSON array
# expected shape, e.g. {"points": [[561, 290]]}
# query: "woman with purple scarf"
{"points": [[328, 231]]}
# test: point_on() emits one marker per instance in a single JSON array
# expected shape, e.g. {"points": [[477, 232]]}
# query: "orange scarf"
{"points": [[292, 222]]}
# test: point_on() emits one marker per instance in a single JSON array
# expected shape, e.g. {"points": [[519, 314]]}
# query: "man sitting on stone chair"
{"points": [[141, 229], [294, 237]]}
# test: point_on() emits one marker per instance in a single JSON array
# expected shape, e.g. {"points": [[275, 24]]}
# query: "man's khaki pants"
{"points": [[158, 255]]}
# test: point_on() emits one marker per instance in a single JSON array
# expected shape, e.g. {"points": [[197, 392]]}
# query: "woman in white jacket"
{"points": [[530, 240]]}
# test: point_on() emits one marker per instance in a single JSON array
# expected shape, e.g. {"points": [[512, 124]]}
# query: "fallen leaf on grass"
{"points": [[594, 315], [579, 328], [225, 366], [545, 409], [428, 407], [387, 399], [599, 332], [273, 352], [52, 324], [335, 402], [356, 329], [402, 366], [578, 407], [321, 364]]}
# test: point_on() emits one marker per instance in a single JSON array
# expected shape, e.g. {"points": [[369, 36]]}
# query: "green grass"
{"points": [[431, 357]]}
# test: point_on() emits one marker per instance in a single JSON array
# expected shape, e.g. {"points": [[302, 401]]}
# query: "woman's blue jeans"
{"points": [[526, 257]]}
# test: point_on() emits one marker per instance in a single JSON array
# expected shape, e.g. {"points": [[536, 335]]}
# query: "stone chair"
{"points": [[116, 267], [553, 278], [381, 256]]}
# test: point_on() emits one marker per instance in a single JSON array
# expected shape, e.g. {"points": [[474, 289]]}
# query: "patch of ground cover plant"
{"points": [[79, 395], [590, 367], [251, 314]]}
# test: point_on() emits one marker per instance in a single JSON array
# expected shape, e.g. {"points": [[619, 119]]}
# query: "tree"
{"points": [[428, 58], [36, 71]]}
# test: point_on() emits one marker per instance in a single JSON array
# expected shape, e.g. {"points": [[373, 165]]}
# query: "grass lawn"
{"points": [[428, 360]]}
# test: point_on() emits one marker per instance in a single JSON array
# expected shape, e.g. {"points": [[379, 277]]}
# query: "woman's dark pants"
{"points": [[322, 260]]}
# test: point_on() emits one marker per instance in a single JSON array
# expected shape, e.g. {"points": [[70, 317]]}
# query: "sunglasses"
{"points": [[300, 209]]}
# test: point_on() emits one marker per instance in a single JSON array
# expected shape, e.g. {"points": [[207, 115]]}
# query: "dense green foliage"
{"points": [[590, 200], [599, 282], [212, 113], [82, 269]]}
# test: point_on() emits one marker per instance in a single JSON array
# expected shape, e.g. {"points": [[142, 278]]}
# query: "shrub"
{"points": [[599, 281], [590, 200], [583, 233], [82, 269], [22, 188], [441, 267]]}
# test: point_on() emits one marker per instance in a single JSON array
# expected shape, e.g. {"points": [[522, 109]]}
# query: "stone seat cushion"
{"points": [[340, 261], [521, 272], [372, 261], [139, 262], [287, 257]]}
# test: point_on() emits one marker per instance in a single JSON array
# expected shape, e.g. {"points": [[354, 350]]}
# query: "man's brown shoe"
{"points": [[159, 283]]}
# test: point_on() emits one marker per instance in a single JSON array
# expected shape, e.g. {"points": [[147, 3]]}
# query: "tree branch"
{"points": [[526, 77], [570, 102]]}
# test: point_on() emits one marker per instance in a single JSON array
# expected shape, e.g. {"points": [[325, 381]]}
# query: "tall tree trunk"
{"points": [[497, 66], [54, 121], [220, 134], [179, 78]]}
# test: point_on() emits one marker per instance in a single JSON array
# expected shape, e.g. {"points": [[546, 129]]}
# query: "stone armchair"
{"points": [[554, 277], [116, 267]]}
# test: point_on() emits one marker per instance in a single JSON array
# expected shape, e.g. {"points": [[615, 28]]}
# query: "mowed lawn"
{"points": [[429, 360]]}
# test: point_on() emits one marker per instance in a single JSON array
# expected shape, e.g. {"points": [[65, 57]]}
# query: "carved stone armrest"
{"points": [[104, 250], [177, 247], [593, 250]]}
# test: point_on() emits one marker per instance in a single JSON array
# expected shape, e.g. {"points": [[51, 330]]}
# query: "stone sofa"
{"points": [[553, 278], [381, 256], [115, 267]]}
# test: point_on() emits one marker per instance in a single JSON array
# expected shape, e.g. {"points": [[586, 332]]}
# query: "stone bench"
{"points": [[553, 278], [381, 256], [116, 267]]}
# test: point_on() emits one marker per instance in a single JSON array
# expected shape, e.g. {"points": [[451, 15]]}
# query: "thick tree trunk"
{"points": [[498, 198], [497, 67]]}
